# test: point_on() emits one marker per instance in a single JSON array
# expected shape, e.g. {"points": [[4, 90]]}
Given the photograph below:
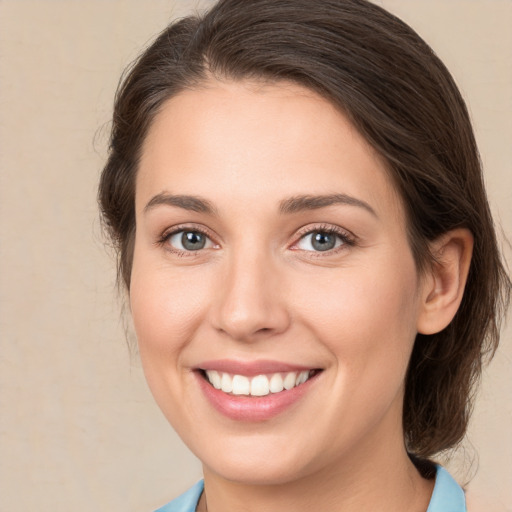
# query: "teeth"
{"points": [[289, 380], [276, 383], [261, 385], [241, 385], [226, 383], [215, 379], [302, 377]]}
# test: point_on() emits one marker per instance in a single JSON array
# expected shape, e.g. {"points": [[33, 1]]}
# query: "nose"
{"points": [[250, 304]]}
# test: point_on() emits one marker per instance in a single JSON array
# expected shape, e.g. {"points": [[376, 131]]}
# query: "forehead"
{"points": [[253, 142]]}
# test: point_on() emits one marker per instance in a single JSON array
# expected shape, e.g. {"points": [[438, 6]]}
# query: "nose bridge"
{"points": [[250, 303]]}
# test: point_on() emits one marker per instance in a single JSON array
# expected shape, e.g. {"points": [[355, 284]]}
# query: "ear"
{"points": [[443, 284]]}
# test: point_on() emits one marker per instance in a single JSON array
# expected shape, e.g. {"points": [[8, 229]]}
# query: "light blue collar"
{"points": [[187, 502], [448, 495]]}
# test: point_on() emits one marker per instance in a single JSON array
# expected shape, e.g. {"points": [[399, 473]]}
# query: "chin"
{"points": [[256, 473], [256, 462]]}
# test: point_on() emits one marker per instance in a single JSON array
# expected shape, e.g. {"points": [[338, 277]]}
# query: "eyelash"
{"points": [[347, 239], [163, 240]]}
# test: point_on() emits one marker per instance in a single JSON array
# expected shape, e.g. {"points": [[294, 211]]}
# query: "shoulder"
{"points": [[187, 502]]}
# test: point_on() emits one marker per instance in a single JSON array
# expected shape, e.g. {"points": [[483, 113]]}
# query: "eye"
{"points": [[189, 240], [321, 241]]}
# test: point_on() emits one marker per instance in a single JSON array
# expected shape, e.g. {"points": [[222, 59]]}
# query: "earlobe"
{"points": [[444, 283]]}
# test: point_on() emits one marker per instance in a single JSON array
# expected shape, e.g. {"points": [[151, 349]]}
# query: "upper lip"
{"points": [[251, 368]]}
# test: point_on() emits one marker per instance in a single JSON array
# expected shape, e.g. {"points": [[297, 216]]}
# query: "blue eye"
{"points": [[320, 241], [189, 240]]}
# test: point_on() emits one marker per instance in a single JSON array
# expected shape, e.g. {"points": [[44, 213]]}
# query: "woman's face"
{"points": [[271, 248]]}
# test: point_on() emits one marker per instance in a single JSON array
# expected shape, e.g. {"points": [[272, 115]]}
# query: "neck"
{"points": [[380, 478]]}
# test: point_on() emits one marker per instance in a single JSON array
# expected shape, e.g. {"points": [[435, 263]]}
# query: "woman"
{"points": [[312, 269]]}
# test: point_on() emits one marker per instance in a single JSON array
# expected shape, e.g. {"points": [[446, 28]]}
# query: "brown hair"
{"points": [[402, 99]]}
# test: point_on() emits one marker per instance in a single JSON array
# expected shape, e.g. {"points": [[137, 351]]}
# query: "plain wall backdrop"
{"points": [[78, 428]]}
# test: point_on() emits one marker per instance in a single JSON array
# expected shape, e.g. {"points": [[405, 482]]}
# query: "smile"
{"points": [[259, 385], [251, 391]]}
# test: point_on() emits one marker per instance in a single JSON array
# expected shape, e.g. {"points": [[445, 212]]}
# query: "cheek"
{"points": [[166, 307], [166, 310], [366, 317], [366, 320]]}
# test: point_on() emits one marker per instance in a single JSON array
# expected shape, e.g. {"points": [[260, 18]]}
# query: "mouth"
{"points": [[257, 390], [257, 385]]}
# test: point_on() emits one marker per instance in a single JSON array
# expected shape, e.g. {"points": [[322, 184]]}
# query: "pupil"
{"points": [[193, 241], [323, 241]]}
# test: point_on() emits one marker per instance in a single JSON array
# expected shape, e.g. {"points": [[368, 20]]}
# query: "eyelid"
{"points": [[164, 238], [348, 238]]}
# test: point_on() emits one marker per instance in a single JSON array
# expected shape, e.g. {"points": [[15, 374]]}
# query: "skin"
{"points": [[259, 290]]}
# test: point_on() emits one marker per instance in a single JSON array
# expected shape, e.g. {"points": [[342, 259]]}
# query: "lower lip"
{"points": [[249, 408]]}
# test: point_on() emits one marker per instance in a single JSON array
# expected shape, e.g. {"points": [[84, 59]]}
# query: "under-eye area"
{"points": [[258, 385]]}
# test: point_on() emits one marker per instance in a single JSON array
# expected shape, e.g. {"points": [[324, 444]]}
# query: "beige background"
{"points": [[78, 429]]}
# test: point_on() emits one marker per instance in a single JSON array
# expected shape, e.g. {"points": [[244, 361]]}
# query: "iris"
{"points": [[322, 241], [193, 240]]}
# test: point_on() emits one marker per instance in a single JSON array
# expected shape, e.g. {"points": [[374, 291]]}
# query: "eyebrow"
{"points": [[190, 203], [300, 203], [288, 206]]}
